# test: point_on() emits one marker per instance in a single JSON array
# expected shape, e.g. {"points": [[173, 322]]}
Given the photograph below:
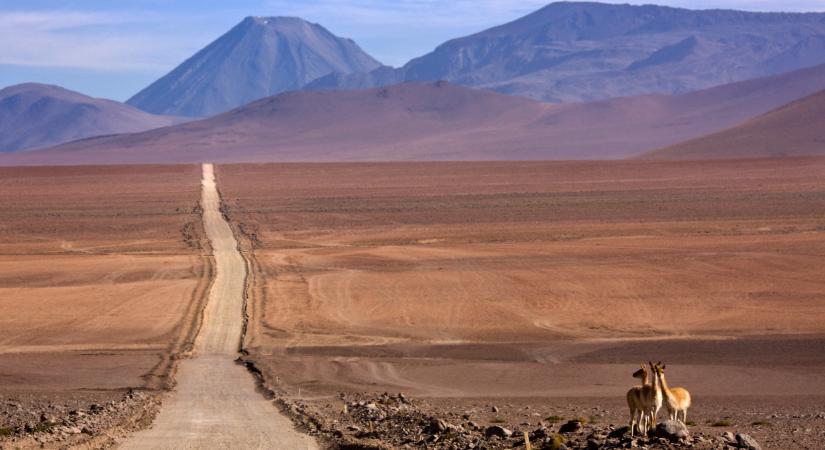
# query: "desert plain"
{"points": [[102, 277], [539, 287], [511, 293]]}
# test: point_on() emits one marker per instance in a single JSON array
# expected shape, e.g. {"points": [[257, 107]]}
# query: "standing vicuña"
{"points": [[677, 400], [653, 401], [641, 400]]}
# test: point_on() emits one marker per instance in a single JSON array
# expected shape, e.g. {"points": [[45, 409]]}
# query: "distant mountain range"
{"points": [[37, 115], [797, 129], [439, 121], [628, 77], [572, 51], [259, 57], [564, 52]]}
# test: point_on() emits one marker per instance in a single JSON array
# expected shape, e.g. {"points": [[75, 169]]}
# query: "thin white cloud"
{"points": [[87, 40], [464, 13], [409, 13]]}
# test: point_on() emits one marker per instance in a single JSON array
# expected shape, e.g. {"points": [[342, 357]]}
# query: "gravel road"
{"points": [[215, 403]]}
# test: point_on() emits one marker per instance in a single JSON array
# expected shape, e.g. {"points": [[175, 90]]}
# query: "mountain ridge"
{"points": [[436, 121], [586, 51]]}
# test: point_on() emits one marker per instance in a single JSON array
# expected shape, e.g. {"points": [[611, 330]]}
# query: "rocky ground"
{"points": [[360, 421], [386, 421], [88, 421]]}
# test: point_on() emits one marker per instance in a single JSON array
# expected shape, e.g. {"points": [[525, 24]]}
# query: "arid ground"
{"points": [[495, 293], [102, 275], [542, 284]]}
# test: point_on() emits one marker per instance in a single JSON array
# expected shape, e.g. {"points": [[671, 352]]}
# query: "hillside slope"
{"points": [[38, 115], [797, 129], [439, 121]]}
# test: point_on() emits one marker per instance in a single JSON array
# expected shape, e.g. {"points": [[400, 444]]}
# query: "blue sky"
{"points": [[113, 48]]}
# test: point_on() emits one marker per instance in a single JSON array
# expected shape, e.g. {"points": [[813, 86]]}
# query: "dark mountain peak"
{"points": [[284, 24], [259, 57]]}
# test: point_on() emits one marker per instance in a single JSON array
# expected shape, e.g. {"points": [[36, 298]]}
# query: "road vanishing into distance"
{"points": [[215, 403]]}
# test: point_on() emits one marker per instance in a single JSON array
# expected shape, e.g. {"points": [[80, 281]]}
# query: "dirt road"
{"points": [[215, 404]]}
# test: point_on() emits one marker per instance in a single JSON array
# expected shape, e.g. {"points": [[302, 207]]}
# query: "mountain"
{"points": [[438, 121], [797, 129], [37, 115], [257, 58], [571, 51]]}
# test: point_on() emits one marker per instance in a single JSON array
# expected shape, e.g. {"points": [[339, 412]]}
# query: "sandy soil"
{"points": [[544, 280], [102, 275]]}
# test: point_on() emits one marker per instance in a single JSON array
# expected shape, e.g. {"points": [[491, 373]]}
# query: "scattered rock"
{"points": [[747, 442], [571, 427], [672, 430], [437, 426], [497, 431], [540, 433], [728, 437], [619, 432]]}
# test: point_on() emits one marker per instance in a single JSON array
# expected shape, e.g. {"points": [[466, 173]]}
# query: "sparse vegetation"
{"points": [[554, 419], [555, 443], [4, 431], [761, 423], [721, 423], [690, 423], [497, 420], [42, 427]]}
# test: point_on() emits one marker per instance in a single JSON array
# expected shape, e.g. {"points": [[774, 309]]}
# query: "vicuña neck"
{"points": [[663, 384]]}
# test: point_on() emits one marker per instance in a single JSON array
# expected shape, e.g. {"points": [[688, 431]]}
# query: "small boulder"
{"points": [[497, 431], [728, 437], [540, 433], [747, 442], [619, 432], [437, 426], [570, 427], [672, 430]]}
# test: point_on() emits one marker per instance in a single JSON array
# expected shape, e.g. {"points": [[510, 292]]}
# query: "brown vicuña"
{"points": [[639, 401]]}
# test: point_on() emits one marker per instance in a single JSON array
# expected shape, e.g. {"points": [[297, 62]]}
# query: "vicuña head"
{"points": [[641, 374]]}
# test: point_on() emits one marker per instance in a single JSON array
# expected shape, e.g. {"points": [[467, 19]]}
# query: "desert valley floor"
{"points": [[103, 276], [534, 287]]}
